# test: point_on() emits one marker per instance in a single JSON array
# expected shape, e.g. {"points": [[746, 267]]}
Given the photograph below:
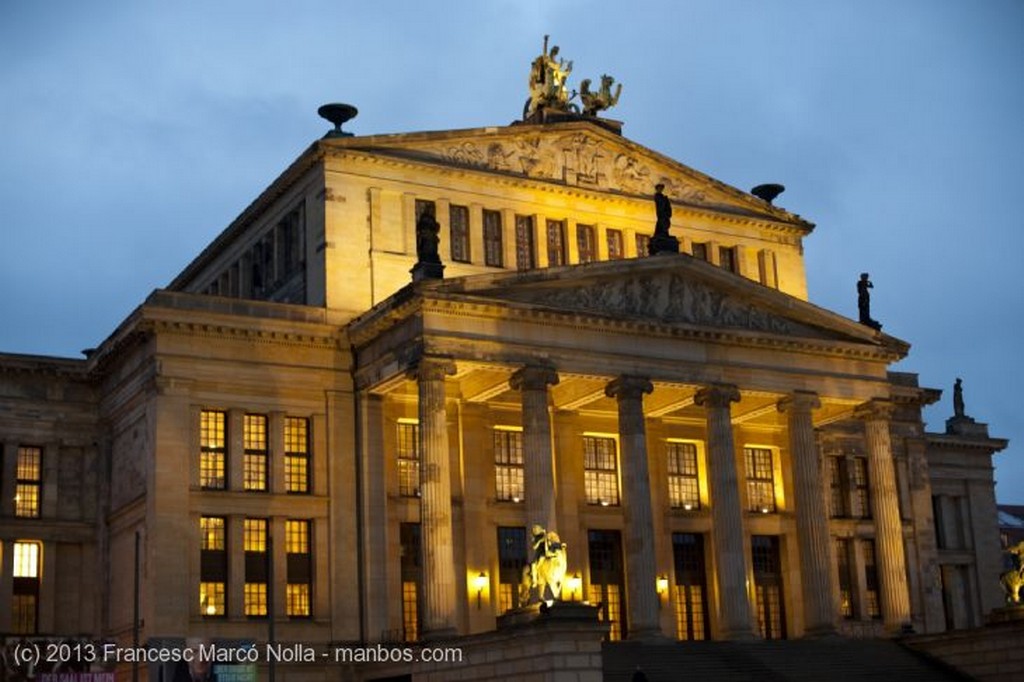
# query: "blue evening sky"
{"points": [[131, 133]]}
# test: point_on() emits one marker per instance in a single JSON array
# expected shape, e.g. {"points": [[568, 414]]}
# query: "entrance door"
{"points": [[771, 619], [607, 586]]}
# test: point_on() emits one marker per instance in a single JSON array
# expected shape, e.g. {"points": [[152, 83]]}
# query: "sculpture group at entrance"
{"points": [[544, 575]]}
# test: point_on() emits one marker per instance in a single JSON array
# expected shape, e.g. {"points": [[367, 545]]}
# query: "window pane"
{"points": [[525, 259], [459, 217], [600, 471], [760, 480], [255, 535], [297, 599], [212, 531], [508, 465], [683, 488], [408, 459], [29, 467], [296, 450], [211, 598], [493, 244], [296, 536], [26, 559], [615, 245], [643, 245], [255, 599], [212, 448], [586, 243], [556, 243]]}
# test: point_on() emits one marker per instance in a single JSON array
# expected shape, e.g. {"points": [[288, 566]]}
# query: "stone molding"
{"points": [[717, 395], [533, 378], [875, 409], [799, 401], [628, 388]]}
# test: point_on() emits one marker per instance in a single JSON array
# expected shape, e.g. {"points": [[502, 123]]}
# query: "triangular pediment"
{"points": [[670, 291], [580, 154]]}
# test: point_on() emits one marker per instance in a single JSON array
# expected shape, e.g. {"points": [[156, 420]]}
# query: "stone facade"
{"points": [[293, 428]]}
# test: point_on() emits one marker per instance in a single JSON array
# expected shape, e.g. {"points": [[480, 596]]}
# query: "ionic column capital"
{"points": [[877, 409], [717, 395], [628, 387], [431, 368], [799, 402], [533, 378]]}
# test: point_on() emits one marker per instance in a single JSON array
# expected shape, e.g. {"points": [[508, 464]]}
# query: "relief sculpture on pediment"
{"points": [[668, 298]]}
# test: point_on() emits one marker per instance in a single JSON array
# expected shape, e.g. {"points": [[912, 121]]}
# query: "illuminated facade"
{"points": [[292, 428]]}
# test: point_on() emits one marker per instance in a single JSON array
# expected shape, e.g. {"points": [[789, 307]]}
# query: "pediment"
{"points": [[671, 291], [576, 154]]}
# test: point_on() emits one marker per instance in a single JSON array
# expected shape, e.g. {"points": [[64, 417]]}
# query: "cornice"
{"points": [[989, 445], [328, 341]]}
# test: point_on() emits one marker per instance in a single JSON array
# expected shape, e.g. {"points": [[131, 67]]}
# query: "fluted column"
{"points": [[532, 382], [811, 519], [641, 590], [885, 509], [439, 613], [727, 536]]}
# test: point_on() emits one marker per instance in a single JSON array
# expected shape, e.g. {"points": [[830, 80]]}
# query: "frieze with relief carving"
{"points": [[667, 298]]}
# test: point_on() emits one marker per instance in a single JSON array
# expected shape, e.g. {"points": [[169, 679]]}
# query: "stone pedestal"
{"points": [[663, 244], [426, 271]]}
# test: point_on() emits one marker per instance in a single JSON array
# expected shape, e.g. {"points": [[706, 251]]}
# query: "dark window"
{"points": [[586, 243], [556, 243], [299, 588], [768, 586], [615, 245], [700, 250], [494, 249], [643, 245], [838, 506], [511, 561], [412, 579], [459, 217], [525, 254], [691, 591], [861, 494], [874, 609], [607, 587], [844, 569], [727, 258]]}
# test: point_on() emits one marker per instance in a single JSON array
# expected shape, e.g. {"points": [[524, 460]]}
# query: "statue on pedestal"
{"points": [[958, 399], [662, 241], [548, 75], [543, 577], [864, 302], [593, 102], [1013, 579], [428, 261]]}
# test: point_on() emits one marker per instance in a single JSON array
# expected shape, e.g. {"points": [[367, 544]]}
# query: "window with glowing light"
{"points": [[26, 578], [29, 482], [683, 488], [508, 464], [601, 470], [212, 449], [254, 460], [299, 585], [760, 480], [408, 452], [296, 455]]}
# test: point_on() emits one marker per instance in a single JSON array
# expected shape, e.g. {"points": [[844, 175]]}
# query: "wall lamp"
{"points": [[480, 583], [575, 583]]}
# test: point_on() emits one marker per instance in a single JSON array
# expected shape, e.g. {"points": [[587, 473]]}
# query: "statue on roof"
{"points": [[864, 302], [958, 399], [548, 89], [594, 102]]}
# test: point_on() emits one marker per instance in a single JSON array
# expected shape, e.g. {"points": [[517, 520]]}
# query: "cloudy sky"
{"points": [[131, 133]]}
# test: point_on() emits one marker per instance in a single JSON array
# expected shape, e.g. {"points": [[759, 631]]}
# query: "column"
{"points": [[891, 559], [532, 382], [641, 591], [439, 613], [811, 518], [374, 512], [727, 536]]}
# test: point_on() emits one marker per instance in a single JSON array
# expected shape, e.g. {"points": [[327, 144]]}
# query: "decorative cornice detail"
{"points": [[325, 341]]}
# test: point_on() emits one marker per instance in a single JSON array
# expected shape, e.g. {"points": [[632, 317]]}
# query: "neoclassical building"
{"points": [[293, 430]]}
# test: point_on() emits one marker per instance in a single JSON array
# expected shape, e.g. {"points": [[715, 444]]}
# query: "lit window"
{"points": [[255, 535], [556, 243], [493, 244], [212, 530], [601, 470], [683, 490], [586, 243], [255, 599], [691, 614], [254, 464], [760, 480], [615, 245], [408, 458], [525, 256], [459, 217], [296, 455], [643, 245], [412, 576], [508, 464], [297, 600], [296, 537], [843, 567], [26, 559], [28, 485], [211, 598], [212, 450]]}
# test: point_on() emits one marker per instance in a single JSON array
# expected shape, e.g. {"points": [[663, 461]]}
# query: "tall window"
{"points": [[683, 491], [526, 258], [873, 606], [615, 244], [254, 462], [408, 448], [213, 565], [690, 602], [512, 556], [508, 464], [768, 585], [643, 245], [494, 248], [299, 587], [727, 258], [601, 470], [700, 250], [255, 542], [760, 480], [859, 483], [212, 450], [586, 243], [606, 579], [556, 243], [844, 569], [25, 599], [459, 217], [412, 577], [296, 455], [838, 506], [29, 481]]}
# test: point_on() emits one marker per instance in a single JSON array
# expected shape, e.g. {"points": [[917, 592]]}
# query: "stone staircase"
{"points": [[812, 660]]}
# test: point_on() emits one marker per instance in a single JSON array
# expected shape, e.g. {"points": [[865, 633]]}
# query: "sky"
{"points": [[133, 132]]}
